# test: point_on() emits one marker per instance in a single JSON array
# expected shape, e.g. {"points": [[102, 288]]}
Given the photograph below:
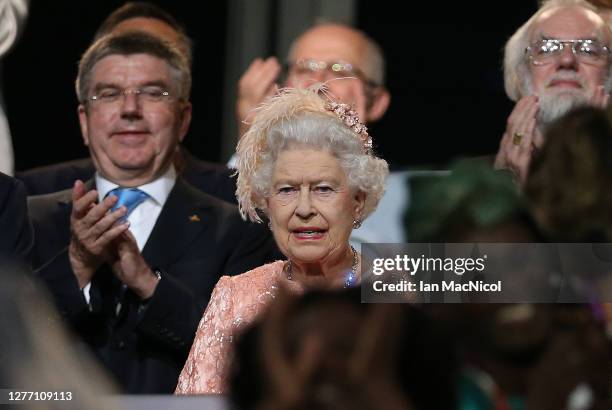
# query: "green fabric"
{"points": [[473, 190], [472, 397]]}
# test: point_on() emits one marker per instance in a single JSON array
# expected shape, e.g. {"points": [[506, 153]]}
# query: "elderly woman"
{"points": [[307, 164]]}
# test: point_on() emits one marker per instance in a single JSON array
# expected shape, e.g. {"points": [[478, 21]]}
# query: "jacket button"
{"points": [[119, 344]]}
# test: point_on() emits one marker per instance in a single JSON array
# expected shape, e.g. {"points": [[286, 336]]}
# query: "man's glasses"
{"points": [[547, 51], [308, 68], [152, 94]]}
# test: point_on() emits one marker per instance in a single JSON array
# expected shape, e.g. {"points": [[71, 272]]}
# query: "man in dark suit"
{"points": [[15, 229], [214, 179], [132, 256]]}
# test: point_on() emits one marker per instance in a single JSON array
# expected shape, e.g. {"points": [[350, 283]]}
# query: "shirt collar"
{"points": [[158, 190]]}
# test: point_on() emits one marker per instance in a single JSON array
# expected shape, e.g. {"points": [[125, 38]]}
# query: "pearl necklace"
{"points": [[351, 277]]}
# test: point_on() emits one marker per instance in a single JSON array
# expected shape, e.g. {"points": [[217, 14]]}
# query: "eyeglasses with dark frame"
{"points": [[111, 95], [587, 51], [335, 69]]}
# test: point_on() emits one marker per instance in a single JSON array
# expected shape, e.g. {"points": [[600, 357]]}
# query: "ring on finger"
{"points": [[517, 138]]}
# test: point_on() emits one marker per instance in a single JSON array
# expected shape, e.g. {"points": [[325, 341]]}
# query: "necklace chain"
{"points": [[351, 277]]}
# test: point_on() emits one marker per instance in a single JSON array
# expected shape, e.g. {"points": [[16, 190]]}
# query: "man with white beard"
{"points": [[559, 59]]}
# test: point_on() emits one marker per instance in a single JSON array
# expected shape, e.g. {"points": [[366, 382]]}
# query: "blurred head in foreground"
{"points": [[37, 353]]}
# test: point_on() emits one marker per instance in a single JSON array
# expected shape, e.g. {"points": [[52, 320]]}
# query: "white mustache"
{"points": [[566, 76]]}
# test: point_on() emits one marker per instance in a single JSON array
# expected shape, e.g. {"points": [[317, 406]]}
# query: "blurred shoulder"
{"points": [[56, 177], [46, 204], [10, 185]]}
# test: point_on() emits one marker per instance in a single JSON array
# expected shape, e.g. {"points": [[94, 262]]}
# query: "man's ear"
{"points": [[82, 112], [379, 103], [185, 115]]}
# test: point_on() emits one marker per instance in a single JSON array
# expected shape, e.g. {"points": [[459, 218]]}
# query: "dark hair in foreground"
{"points": [[326, 350], [570, 180]]}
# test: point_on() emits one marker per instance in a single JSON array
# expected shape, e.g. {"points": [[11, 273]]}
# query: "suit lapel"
{"points": [[184, 216]]}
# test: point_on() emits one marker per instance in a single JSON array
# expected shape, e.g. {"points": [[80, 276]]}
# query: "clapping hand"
{"points": [[93, 229], [131, 268], [520, 140], [257, 83]]}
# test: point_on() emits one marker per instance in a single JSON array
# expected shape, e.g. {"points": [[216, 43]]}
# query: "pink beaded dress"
{"points": [[236, 302]]}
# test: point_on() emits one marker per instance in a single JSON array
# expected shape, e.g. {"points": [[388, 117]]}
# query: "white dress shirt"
{"points": [[143, 217]]}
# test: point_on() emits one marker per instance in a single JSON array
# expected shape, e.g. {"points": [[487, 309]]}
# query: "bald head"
{"points": [[330, 42], [337, 42], [321, 55], [568, 18]]}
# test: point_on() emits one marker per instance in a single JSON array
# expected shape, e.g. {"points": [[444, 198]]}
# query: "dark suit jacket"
{"points": [[15, 230], [196, 239], [214, 179]]}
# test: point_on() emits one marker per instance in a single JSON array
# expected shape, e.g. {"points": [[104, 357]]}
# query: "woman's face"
{"points": [[311, 207]]}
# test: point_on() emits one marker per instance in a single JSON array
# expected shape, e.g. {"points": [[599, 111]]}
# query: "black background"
{"points": [[443, 71]]}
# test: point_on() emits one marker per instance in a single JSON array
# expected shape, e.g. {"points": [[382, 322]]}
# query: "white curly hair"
{"points": [[298, 116]]}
